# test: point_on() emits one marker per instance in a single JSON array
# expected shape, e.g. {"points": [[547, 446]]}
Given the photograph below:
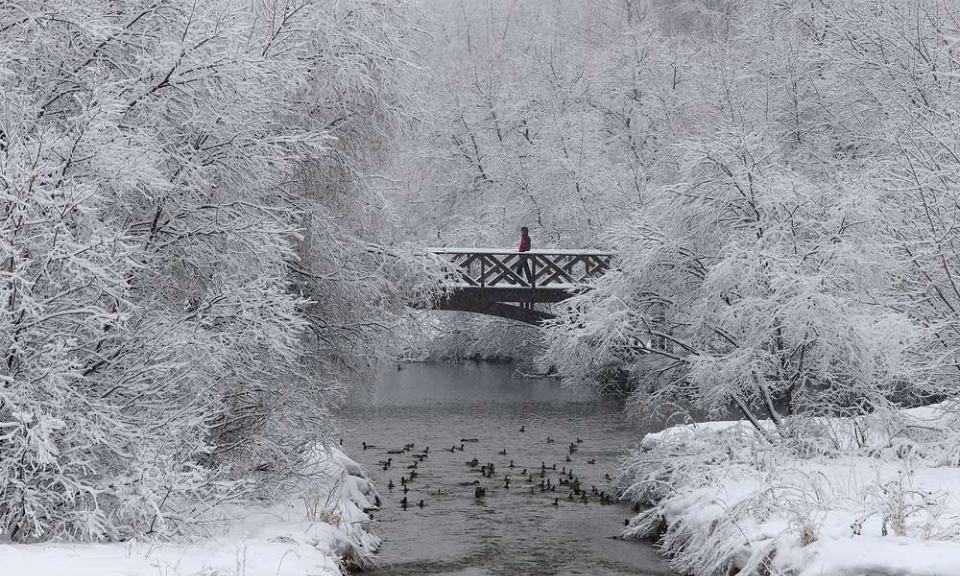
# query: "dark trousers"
{"points": [[524, 271]]}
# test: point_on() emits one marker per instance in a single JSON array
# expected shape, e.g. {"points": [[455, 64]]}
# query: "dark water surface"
{"points": [[513, 531]]}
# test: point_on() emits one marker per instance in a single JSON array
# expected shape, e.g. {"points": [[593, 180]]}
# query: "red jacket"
{"points": [[524, 244]]}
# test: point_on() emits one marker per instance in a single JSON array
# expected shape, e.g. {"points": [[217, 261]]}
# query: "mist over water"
{"points": [[510, 531]]}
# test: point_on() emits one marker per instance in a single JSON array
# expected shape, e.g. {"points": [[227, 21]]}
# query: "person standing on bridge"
{"points": [[523, 265]]}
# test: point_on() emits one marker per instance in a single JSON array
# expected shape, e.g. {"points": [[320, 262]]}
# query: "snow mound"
{"points": [[322, 534], [876, 495]]}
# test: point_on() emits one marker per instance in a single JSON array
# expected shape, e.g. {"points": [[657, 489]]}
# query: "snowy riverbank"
{"points": [[321, 534], [877, 495]]}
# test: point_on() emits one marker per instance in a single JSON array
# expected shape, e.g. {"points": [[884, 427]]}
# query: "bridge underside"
{"points": [[506, 302]]}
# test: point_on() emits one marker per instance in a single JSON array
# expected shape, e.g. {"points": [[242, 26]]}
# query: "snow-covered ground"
{"points": [[877, 495], [318, 535]]}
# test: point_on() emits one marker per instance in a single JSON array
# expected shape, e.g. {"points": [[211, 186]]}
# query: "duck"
{"points": [[453, 449], [626, 521], [395, 452], [413, 474], [420, 504], [365, 445], [607, 478], [510, 465], [403, 503], [341, 441], [420, 457], [550, 440], [408, 447], [556, 501], [579, 441], [523, 429], [479, 492], [469, 439], [506, 483], [524, 472], [391, 485], [572, 448], [426, 450], [474, 483], [592, 461], [472, 463], [503, 452], [412, 466], [403, 481], [405, 489], [439, 492], [460, 448], [569, 459]]}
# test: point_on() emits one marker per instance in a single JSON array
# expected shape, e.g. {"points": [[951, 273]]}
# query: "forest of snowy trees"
{"points": [[778, 179], [214, 215], [193, 255]]}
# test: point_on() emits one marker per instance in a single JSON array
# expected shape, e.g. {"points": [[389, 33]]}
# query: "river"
{"points": [[511, 531]]}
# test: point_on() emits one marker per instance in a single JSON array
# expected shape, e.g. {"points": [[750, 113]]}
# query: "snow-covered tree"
{"points": [[166, 169]]}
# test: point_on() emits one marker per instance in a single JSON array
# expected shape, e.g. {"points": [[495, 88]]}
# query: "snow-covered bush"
{"points": [[724, 498]]}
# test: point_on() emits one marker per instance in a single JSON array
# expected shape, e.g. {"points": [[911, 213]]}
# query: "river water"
{"points": [[515, 531]]}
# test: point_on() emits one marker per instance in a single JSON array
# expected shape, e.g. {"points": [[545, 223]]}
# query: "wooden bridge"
{"points": [[509, 284]]}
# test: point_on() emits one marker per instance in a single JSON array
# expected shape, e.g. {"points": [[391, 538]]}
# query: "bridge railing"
{"points": [[485, 267]]}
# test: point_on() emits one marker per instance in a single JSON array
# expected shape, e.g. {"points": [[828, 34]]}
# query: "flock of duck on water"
{"points": [[546, 479]]}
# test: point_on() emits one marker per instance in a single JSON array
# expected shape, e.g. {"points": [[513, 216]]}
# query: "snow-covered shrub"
{"points": [[724, 497]]}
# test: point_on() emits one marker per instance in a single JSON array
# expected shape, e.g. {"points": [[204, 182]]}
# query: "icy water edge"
{"points": [[511, 531]]}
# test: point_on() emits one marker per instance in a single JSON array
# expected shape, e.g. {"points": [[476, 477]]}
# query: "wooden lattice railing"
{"points": [[481, 267]]}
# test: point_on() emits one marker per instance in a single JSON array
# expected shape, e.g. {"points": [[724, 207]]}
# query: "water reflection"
{"points": [[515, 530]]}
